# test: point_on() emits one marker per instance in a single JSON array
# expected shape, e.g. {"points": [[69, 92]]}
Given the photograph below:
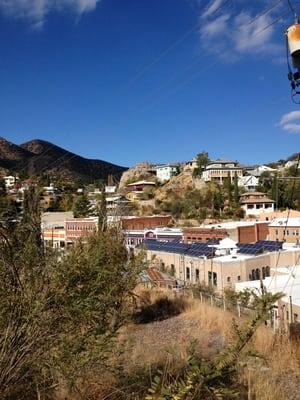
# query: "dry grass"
{"points": [[141, 349]]}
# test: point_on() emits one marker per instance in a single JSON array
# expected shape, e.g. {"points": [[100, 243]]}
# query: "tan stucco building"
{"points": [[224, 270], [285, 229]]}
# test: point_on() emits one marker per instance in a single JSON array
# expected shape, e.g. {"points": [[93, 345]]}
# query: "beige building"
{"points": [[285, 229], [287, 281], [270, 216], [255, 203], [224, 270], [219, 170]]}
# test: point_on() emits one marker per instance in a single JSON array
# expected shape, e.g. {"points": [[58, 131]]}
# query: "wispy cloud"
{"points": [[35, 11], [215, 4], [232, 32], [290, 122]]}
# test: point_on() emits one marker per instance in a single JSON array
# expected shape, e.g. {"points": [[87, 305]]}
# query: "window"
{"points": [[276, 232], [263, 272], [197, 274], [257, 274], [228, 279], [253, 275], [209, 277], [295, 317], [239, 277], [267, 271], [287, 232], [172, 269], [188, 273], [215, 280]]}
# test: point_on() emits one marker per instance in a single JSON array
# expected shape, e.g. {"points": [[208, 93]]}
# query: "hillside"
{"points": [[38, 156]]}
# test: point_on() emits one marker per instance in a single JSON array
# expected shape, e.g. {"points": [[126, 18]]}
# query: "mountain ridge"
{"points": [[37, 157]]}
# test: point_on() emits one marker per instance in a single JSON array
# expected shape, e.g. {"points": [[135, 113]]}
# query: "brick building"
{"points": [[240, 231], [147, 222], [78, 228]]}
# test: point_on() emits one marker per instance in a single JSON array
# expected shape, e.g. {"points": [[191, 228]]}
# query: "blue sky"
{"points": [[131, 80]]}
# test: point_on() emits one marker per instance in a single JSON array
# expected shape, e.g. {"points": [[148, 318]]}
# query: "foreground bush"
{"points": [[163, 308], [58, 315]]}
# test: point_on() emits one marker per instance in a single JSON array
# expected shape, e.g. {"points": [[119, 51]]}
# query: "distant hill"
{"points": [[38, 157]]}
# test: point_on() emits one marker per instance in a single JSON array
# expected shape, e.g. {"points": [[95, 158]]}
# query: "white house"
{"points": [[261, 169], [10, 181], [110, 189], [249, 182], [166, 171], [290, 164]]}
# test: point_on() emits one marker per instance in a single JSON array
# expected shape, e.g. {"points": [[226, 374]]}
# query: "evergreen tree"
{"points": [[102, 211], [274, 188], [81, 207], [228, 187], [236, 194], [2, 187]]}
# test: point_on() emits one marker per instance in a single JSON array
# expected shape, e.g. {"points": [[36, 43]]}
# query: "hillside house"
{"points": [[248, 182], [165, 172], [255, 203], [10, 181], [135, 189], [219, 170], [261, 169]]}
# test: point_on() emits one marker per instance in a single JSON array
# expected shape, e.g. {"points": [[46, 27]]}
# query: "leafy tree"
{"points": [[202, 161], [66, 202], [81, 207]]}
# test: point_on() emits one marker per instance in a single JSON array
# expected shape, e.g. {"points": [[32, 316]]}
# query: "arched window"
{"points": [[263, 272], [267, 270], [257, 274], [253, 275]]}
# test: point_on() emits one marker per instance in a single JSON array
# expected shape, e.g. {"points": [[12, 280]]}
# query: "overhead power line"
{"points": [[172, 47], [194, 63], [226, 53], [292, 8]]}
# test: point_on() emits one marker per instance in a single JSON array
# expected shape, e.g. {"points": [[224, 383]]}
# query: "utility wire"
{"points": [[292, 8], [194, 63], [205, 68], [172, 47]]}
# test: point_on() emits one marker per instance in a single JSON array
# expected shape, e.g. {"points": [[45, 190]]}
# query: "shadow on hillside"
{"points": [[163, 308]]}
